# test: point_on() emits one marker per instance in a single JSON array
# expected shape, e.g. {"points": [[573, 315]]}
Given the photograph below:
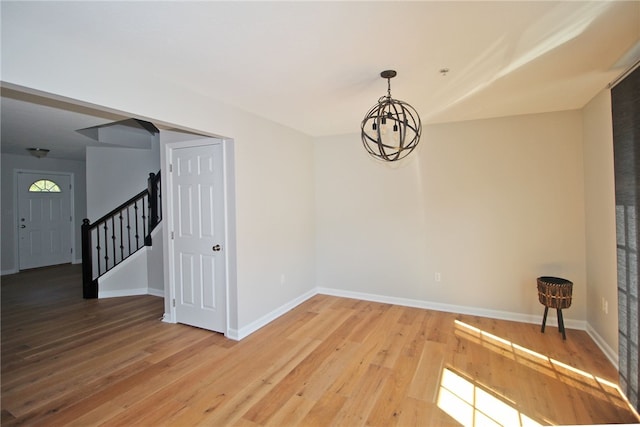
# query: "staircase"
{"points": [[119, 234]]}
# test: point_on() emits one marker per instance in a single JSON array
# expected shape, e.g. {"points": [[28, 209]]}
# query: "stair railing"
{"points": [[119, 234]]}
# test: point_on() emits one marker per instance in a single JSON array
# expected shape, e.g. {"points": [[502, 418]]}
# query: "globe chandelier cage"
{"points": [[391, 129]]}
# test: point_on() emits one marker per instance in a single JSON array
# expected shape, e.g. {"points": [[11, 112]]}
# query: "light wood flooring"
{"points": [[330, 361]]}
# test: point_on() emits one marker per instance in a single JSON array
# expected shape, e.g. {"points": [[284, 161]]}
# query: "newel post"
{"points": [[152, 191], [89, 288], [152, 188]]}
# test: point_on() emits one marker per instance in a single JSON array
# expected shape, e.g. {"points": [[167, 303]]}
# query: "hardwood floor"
{"points": [[330, 361]]}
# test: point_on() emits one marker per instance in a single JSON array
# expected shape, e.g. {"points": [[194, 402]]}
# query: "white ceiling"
{"points": [[29, 121], [314, 66]]}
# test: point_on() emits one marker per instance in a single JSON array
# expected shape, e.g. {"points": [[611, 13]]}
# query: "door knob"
{"points": [[23, 226], [216, 248]]}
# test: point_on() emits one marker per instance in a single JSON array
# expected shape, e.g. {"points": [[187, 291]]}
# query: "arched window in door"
{"points": [[44, 186]]}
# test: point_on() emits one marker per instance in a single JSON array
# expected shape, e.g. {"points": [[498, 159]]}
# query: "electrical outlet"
{"points": [[606, 307], [437, 277]]}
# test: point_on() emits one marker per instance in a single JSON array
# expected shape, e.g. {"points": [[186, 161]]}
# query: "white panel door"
{"points": [[44, 221], [198, 236]]}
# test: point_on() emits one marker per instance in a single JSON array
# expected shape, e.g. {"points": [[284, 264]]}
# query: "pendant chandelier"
{"points": [[391, 129]]}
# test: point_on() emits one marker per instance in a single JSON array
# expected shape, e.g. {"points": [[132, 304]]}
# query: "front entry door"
{"points": [[198, 236], [44, 219]]}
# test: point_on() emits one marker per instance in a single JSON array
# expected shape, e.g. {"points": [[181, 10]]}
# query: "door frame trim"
{"points": [[167, 183], [16, 211]]}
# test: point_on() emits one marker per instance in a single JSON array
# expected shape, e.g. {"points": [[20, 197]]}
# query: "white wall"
{"points": [[126, 279], [371, 229], [9, 163], [600, 219], [142, 273], [116, 174], [489, 204], [275, 217], [155, 262]]}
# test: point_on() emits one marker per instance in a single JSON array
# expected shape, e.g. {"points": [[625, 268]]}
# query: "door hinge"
{"points": [[70, 218], [174, 302], [170, 167], [172, 235], [71, 250]]}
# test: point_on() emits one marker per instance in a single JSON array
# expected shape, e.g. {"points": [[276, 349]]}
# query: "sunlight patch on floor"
{"points": [[472, 405], [567, 374]]}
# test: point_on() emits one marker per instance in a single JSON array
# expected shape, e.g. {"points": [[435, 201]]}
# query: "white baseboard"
{"points": [[14, 270], [156, 292], [238, 334], [611, 354], [461, 309], [7, 272], [122, 293], [130, 293]]}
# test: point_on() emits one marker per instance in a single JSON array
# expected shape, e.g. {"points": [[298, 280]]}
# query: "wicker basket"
{"points": [[554, 292]]}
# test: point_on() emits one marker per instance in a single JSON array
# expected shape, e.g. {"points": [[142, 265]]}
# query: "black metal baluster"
{"points": [[113, 241], [135, 209], [128, 230], [121, 238], [106, 247], [144, 220]]}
